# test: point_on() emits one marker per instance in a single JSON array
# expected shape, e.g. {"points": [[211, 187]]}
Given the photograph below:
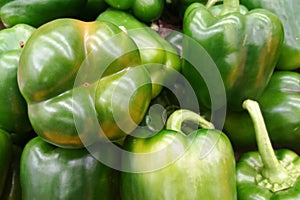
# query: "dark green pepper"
{"points": [[158, 56], [280, 105], [49, 172], [92, 9], [178, 7], [13, 107], [38, 12], [244, 46], [288, 13], [79, 93], [5, 157], [12, 189], [144, 10], [172, 166], [266, 174]]}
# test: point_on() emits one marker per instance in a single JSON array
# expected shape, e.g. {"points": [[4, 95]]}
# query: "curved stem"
{"points": [[272, 169], [176, 119], [211, 3]]}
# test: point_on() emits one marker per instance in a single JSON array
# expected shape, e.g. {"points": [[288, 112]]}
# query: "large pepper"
{"points": [[244, 45], [38, 12], [280, 105], [288, 13], [5, 157], [13, 107], [49, 172], [265, 174], [159, 57], [171, 166], [83, 82], [144, 10]]}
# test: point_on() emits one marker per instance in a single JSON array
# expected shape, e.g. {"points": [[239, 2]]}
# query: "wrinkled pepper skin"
{"points": [[13, 107], [288, 13], [144, 10], [5, 157], [266, 174], [170, 165], [38, 12], [77, 94], [49, 172], [250, 163], [159, 57], [244, 46], [280, 105]]}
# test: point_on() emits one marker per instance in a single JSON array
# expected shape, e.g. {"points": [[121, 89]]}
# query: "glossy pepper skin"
{"points": [[170, 165], [288, 13], [79, 92], [5, 157], [49, 172], [144, 10], [38, 12], [158, 56], [280, 106], [13, 107], [245, 47], [267, 174]]}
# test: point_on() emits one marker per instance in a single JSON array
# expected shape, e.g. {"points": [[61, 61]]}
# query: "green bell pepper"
{"points": [[38, 12], [48, 172], [170, 165], [79, 93], [267, 174], [287, 11], [144, 10], [13, 107], [280, 105], [5, 157], [12, 189], [158, 56], [245, 47]]}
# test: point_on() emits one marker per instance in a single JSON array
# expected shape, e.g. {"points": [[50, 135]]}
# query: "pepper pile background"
{"points": [[46, 45]]}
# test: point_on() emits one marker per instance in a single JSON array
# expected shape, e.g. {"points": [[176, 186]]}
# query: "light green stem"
{"points": [[272, 169], [230, 6], [176, 119], [211, 3]]}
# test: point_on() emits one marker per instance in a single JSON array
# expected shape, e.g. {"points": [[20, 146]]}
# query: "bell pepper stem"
{"points": [[177, 118], [272, 169], [230, 6]]}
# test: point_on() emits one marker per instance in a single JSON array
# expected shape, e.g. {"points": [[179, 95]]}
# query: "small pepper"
{"points": [[266, 174], [144, 10]]}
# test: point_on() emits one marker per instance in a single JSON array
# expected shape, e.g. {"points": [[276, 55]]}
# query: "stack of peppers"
{"points": [[79, 80]]}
